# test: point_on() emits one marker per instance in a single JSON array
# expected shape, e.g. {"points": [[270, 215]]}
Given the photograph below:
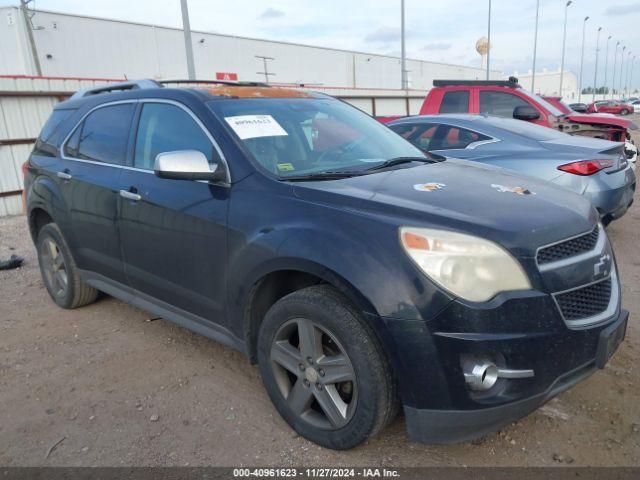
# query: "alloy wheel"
{"points": [[314, 374], [54, 267]]}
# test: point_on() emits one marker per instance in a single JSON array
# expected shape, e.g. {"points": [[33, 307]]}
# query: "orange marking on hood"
{"points": [[256, 92]]}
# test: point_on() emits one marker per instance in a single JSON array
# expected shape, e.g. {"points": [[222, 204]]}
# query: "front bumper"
{"points": [[478, 416]]}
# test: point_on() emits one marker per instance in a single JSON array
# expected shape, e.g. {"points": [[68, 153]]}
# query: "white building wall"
{"points": [[70, 45], [548, 83]]}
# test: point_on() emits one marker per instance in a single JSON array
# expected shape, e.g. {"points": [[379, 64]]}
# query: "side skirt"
{"points": [[162, 309]]}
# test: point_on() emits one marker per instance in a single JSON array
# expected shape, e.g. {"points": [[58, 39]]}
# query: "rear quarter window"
{"points": [[49, 138]]}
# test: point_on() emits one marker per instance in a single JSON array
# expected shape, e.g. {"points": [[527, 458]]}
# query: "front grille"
{"points": [[585, 302], [569, 248]]}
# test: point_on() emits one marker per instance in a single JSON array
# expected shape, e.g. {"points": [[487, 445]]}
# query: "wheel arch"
{"points": [[283, 278]]}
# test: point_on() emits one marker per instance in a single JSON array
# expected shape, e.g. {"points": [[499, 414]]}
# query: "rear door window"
{"points": [[103, 135], [501, 104], [455, 102], [168, 128]]}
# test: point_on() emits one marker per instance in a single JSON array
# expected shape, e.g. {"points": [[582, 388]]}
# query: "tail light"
{"points": [[25, 169], [586, 167]]}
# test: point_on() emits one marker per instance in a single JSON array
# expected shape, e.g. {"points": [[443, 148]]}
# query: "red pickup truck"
{"points": [[506, 98]]}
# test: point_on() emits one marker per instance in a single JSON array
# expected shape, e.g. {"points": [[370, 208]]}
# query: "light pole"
{"points": [[584, 27], [191, 69], [595, 73], [535, 48], [615, 59], [606, 64], [403, 52], [621, 64], [633, 61], [564, 42], [489, 40], [626, 78]]}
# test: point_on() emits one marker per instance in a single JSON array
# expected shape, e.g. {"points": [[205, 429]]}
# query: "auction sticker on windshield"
{"points": [[254, 126]]}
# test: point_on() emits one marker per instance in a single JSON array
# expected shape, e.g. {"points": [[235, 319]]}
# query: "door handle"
{"points": [[130, 195], [64, 175]]}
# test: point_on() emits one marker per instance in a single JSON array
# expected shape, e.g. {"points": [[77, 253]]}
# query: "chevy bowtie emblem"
{"points": [[516, 190], [428, 187], [600, 268]]}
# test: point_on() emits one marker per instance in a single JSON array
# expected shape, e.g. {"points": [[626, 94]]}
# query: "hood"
{"points": [[463, 196], [600, 119]]}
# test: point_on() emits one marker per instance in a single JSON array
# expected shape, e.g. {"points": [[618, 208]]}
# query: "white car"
{"points": [[636, 106]]}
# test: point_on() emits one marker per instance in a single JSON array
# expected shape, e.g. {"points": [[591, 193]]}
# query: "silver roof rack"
{"points": [[120, 86]]}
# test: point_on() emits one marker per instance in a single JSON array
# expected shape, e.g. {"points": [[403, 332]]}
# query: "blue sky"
{"points": [[440, 30]]}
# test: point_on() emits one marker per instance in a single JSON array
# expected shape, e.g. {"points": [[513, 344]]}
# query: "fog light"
{"points": [[480, 374]]}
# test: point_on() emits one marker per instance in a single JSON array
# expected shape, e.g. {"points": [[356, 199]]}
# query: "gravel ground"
{"points": [[111, 386]]}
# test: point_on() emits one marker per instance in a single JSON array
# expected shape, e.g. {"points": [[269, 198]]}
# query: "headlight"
{"points": [[469, 267]]}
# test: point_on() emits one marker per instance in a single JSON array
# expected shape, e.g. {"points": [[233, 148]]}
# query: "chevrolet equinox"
{"points": [[361, 274]]}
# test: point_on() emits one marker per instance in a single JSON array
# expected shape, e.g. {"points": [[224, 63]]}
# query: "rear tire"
{"points": [[337, 388], [59, 271]]}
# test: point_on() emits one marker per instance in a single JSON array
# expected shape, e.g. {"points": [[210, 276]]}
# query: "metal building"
{"points": [[79, 46], [77, 52]]}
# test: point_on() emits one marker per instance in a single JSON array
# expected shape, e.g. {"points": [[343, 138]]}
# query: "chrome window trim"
{"points": [[136, 101], [602, 317], [479, 143], [597, 250]]}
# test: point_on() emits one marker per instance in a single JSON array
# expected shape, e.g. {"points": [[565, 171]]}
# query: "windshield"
{"points": [[555, 111], [290, 137]]}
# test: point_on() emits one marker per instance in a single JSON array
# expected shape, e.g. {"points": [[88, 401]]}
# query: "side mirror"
{"points": [[526, 112], [186, 165]]}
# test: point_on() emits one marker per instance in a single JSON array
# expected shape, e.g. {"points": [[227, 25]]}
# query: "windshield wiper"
{"points": [[399, 161], [329, 175]]}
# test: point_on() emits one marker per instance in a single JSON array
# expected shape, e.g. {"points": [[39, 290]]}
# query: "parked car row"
{"points": [[359, 272], [596, 169], [528, 134]]}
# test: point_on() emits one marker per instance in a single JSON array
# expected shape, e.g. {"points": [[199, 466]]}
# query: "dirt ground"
{"points": [[110, 387]]}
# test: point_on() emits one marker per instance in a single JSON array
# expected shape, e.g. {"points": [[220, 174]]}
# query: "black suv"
{"points": [[359, 273]]}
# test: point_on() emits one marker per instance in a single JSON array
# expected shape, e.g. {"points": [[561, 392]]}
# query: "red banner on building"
{"points": [[226, 76]]}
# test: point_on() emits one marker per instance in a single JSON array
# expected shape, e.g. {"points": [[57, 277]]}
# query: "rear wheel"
{"points": [[59, 271], [324, 369]]}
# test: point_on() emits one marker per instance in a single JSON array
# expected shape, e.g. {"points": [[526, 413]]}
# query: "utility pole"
{"points": [[27, 15], [621, 64], [595, 73], [265, 71], [633, 61], [535, 49], [489, 40], [606, 65], [403, 61], [626, 78], [186, 27], [615, 59], [584, 26], [564, 43]]}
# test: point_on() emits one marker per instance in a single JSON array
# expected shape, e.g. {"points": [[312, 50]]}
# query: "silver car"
{"points": [[596, 169]]}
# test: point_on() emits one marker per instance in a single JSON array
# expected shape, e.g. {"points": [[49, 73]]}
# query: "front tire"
{"points": [[59, 271], [324, 369], [624, 111]]}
